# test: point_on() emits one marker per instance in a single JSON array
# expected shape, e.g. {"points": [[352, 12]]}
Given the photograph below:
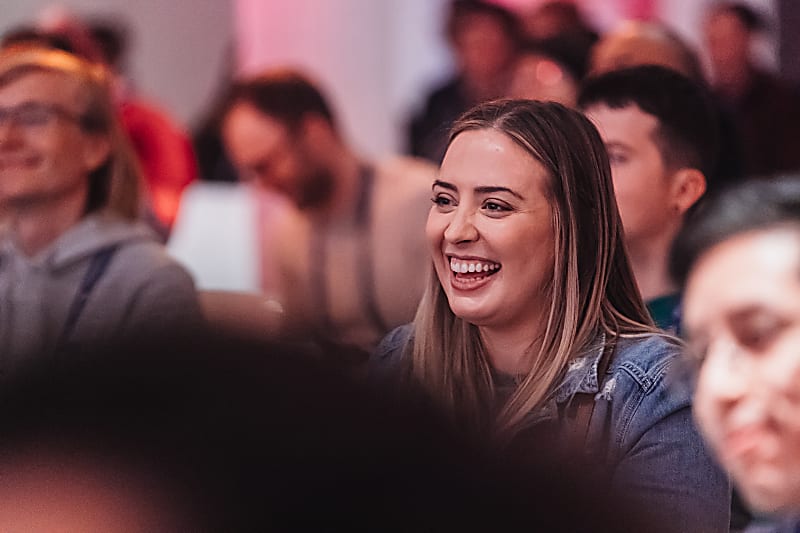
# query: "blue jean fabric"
{"points": [[641, 431]]}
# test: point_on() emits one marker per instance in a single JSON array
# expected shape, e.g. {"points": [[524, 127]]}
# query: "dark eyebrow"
{"points": [[488, 189], [444, 185]]}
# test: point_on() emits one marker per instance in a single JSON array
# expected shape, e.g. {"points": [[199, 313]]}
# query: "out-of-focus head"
{"points": [[729, 29], [555, 18], [739, 261], [644, 43], [660, 130], [549, 70], [484, 37], [59, 133], [277, 129]]}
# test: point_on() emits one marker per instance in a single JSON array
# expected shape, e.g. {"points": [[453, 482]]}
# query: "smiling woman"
{"points": [[531, 328]]}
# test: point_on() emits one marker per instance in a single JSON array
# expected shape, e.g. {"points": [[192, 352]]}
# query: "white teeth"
{"points": [[462, 267]]}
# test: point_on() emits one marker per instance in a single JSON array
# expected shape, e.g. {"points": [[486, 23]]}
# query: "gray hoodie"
{"points": [[140, 292]]}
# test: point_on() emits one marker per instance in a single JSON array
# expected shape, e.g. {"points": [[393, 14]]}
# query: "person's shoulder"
{"points": [[645, 358]]}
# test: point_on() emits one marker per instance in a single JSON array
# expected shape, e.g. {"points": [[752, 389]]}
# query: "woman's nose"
{"points": [[461, 227]]}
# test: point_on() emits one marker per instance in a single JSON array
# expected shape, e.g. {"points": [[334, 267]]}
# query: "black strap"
{"points": [[97, 266], [366, 274]]}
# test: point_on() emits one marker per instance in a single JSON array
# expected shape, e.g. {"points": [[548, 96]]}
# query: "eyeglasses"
{"points": [[32, 115]]}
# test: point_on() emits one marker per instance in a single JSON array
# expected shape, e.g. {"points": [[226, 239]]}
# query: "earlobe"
{"points": [[689, 185]]}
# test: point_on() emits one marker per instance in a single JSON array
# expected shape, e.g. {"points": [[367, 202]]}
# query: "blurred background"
{"points": [[376, 58]]}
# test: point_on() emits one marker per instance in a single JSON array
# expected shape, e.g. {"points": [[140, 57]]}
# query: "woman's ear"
{"points": [[688, 186]]}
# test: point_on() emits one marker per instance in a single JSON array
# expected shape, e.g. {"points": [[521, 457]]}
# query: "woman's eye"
{"points": [[442, 201], [495, 207]]}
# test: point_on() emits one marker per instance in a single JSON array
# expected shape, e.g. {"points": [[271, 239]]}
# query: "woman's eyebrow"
{"points": [[488, 189], [444, 185]]}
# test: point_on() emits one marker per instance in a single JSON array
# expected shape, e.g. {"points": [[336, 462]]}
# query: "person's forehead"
{"points": [[759, 267], [628, 122], [47, 86]]}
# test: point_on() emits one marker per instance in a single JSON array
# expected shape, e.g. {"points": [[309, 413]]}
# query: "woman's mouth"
{"points": [[471, 274]]}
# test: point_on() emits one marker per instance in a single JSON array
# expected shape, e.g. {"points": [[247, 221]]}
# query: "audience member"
{"points": [[636, 43], [660, 132], [163, 148], [765, 110], [349, 258], [214, 434], [739, 260], [532, 328], [75, 267], [549, 70], [484, 38]]}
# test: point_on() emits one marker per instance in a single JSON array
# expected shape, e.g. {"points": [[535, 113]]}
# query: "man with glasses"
{"points": [[75, 266]]}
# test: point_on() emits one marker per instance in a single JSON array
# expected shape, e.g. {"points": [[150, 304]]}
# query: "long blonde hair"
{"points": [[116, 184], [592, 289]]}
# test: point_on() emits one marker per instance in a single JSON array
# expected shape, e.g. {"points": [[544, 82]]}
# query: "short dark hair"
{"points": [[460, 10], [749, 206], [687, 132], [285, 95]]}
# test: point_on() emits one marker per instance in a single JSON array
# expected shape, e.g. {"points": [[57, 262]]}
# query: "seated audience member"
{"points": [[636, 43], [163, 149], [350, 254], [660, 132], [484, 37], [531, 328], [549, 70], [739, 262], [765, 109], [75, 266], [215, 434]]}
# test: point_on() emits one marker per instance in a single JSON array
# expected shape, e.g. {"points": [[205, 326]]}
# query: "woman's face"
{"points": [[742, 317], [490, 231]]}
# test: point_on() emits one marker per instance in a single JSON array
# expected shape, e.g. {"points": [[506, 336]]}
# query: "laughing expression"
{"points": [[490, 231], [742, 317]]}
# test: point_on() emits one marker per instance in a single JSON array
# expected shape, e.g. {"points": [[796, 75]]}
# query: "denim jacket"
{"points": [[641, 430]]}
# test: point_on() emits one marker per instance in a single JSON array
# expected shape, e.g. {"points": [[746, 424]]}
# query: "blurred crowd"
{"points": [[574, 298]]}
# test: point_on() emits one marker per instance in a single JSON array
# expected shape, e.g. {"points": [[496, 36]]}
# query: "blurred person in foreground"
{"points": [[76, 268], [347, 259], [739, 262], [531, 328], [239, 436], [765, 109], [660, 131]]}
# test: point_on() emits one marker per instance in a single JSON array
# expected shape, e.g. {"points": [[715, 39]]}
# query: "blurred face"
{"points": [[265, 150], [490, 231], [742, 317], [537, 77], [483, 49], [728, 43], [44, 153], [641, 181]]}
